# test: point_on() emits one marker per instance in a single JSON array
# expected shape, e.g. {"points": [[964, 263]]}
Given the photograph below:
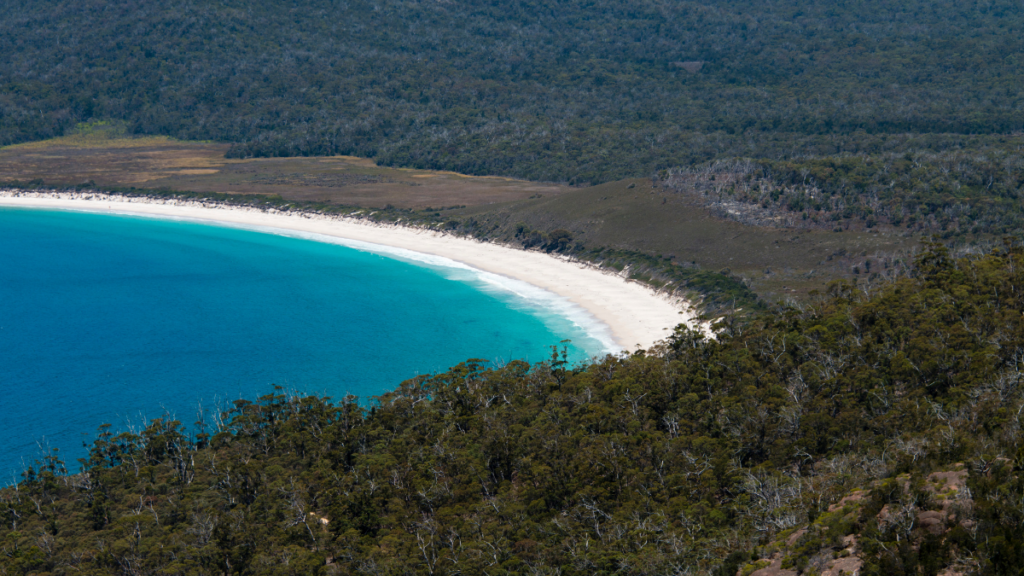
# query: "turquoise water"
{"points": [[119, 319]]}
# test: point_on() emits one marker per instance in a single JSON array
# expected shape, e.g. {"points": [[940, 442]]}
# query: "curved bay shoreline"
{"points": [[636, 315]]}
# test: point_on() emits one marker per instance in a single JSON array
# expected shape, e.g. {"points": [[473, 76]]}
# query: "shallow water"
{"points": [[118, 319]]}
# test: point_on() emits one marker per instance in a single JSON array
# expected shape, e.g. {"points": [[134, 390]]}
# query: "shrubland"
{"points": [[968, 191], [876, 428]]}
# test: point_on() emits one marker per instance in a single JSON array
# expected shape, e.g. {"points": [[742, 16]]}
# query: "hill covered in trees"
{"points": [[562, 91], [876, 429], [970, 190]]}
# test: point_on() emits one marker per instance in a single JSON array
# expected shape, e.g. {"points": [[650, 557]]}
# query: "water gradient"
{"points": [[120, 319]]}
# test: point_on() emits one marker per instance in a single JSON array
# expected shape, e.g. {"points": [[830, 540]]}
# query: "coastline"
{"points": [[635, 315]]}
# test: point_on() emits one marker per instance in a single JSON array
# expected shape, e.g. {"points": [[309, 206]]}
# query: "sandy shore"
{"points": [[634, 314]]}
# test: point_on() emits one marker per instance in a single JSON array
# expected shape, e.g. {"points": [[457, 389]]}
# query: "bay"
{"points": [[120, 319]]}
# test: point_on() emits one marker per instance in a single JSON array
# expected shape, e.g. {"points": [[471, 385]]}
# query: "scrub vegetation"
{"points": [[875, 429], [859, 410], [969, 191]]}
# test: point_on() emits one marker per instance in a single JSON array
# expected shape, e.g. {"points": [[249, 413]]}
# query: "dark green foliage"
{"points": [[578, 92], [971, 187], [686, 456]]}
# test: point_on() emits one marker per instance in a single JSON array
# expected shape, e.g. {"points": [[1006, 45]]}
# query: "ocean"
{"points": [[121, 319]]}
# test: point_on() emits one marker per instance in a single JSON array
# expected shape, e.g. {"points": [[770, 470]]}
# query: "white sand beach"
{"points": [[636, 315]]}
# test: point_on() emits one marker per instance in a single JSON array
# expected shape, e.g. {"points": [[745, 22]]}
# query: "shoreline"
{"points": [[635, 315]]}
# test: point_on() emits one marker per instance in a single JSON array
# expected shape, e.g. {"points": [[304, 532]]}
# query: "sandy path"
{"points": [[635, 314]]}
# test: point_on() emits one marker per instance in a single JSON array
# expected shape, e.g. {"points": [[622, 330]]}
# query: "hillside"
{"points": [[874, 430], [569, 92], [792, 165]]}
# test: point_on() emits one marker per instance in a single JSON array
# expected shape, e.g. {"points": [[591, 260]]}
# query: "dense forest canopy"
{"points": [[877, 426], [974, 188], [880, 427], [568, 91]]}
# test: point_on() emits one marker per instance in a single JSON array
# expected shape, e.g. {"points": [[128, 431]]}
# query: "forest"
{"points": [[876, 428], [973, 190], [578, 92]]}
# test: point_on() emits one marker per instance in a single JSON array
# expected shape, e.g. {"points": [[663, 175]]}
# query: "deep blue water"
{"points": [[119, 319]]}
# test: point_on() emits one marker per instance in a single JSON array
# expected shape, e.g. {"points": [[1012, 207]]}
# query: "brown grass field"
{"points": [[630, 214], [634, 215], [158, 162]]}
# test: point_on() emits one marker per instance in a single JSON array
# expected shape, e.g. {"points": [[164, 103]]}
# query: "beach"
{"points": [[636, 316]]}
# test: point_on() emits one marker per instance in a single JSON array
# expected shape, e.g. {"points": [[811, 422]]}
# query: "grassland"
{"points": [[633, 216], [100, 156]]}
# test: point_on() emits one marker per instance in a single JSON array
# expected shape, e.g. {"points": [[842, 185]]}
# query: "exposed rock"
{"points": [[932, 521], [854, 497], [847, 566]]}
